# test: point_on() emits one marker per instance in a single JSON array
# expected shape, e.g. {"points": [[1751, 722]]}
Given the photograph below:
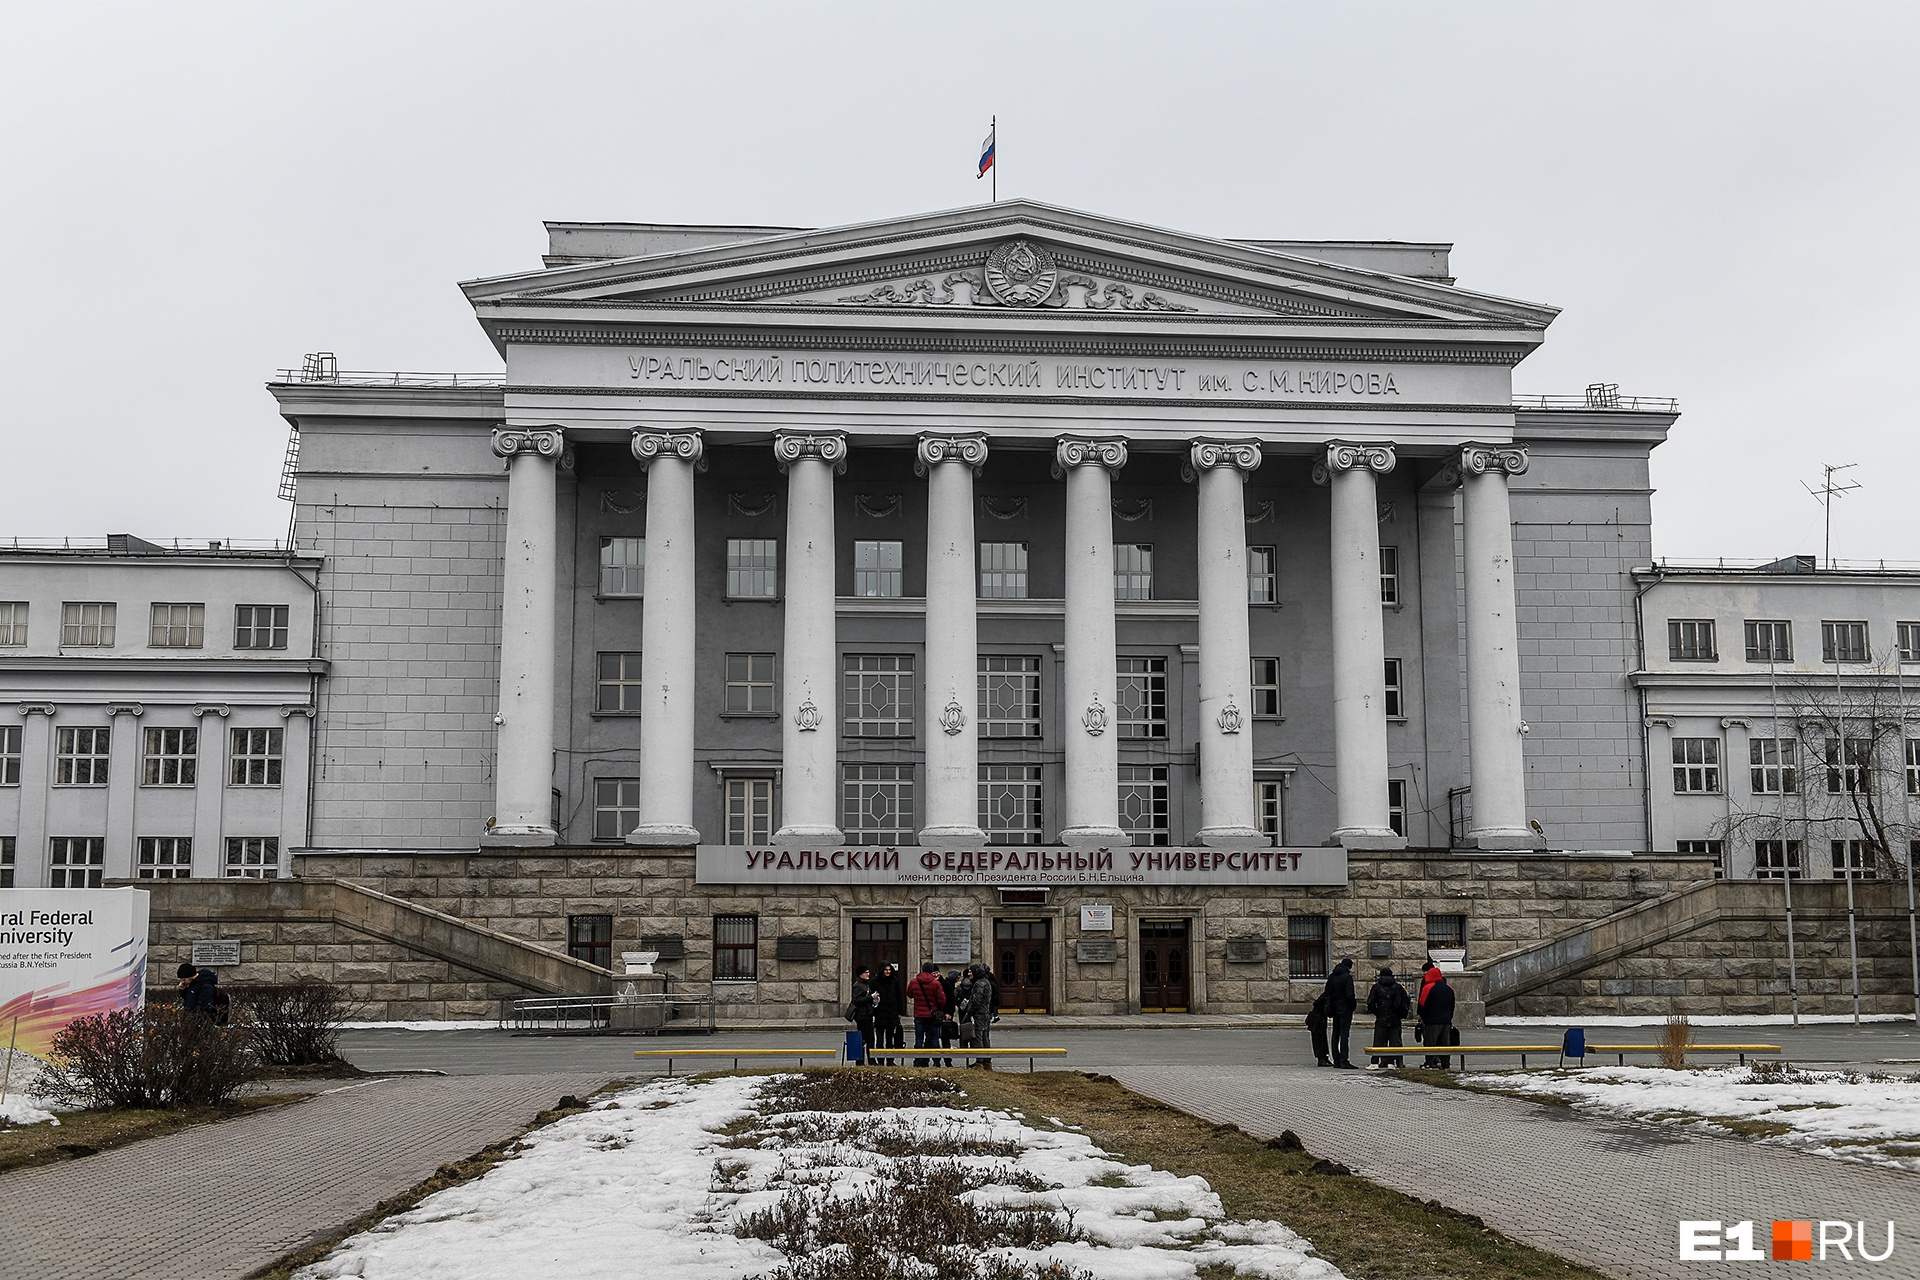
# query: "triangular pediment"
{"points": [[1007, 258]]}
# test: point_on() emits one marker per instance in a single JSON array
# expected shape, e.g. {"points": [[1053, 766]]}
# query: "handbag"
{"points": [[1419, 1033]]}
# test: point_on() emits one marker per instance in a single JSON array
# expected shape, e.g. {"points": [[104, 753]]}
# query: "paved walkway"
{"points": [[1604, 1193], [221, 1200]]}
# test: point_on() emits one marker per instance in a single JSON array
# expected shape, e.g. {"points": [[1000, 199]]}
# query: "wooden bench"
{"points": [[956, 1052], [800, 1055], [1421, 1051]]}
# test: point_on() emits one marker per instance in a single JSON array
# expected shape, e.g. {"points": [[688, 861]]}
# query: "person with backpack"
{"points": [[860, 1009], [1389, 1004], [1317, 1028], [200, 991], [929, 1003], [1341, 1003]]}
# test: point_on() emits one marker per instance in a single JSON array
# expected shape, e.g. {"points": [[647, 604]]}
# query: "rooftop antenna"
{"points": [[1825, 495]]}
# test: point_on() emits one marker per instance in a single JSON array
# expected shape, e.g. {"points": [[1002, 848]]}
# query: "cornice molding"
{"points": [[1501, 410]]}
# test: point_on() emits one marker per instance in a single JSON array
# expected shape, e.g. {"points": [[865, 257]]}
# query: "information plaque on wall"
{"points": [[952, 939], [1096, 919], [215, 952]]}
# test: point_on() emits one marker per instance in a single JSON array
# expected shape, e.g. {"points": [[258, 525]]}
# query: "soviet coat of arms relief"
{"points": [[1021, 274]]}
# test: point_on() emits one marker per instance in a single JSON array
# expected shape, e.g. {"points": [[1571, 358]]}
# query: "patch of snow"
{"points": [[1702, 1020], [636, 1176], [1828, 1113], [17, 1108]]}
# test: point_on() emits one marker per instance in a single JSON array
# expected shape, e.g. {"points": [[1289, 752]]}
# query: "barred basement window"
{"points": [[1140, 695], [1263, 578], [165, 858], [1690, 640], [1769, 642], [1397, 805], [749, 685], [1003, 571], [590, 938], [1908, 634], [86, 625], [877, 569], [616, 807], [1009, 696], [256, 757], [1306, 946], [1772, 762], [753, 568], [878, 689], [1132, 571], [1853, 860], [877, 803], [252, 858], [1447, 933], [749, 811], [1696, 765], [9, 755], [260, 626], [6, 862], [80, 757], [1715, 848], [1265, 679], [1010, 803], [1144, 803], [76, 862], [619, 684], [1849, 766], [1776, 860], [13, 621], [736, 948], [623, 566], [1394, 701], [1389, 575], [172, 758], [1843, 642]]}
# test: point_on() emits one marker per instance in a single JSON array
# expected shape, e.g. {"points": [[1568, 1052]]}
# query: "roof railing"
{"points": [[1604, 396], [388, 378]]}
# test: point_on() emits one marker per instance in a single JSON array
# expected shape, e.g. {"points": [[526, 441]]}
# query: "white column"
{"points": [[209, 796], [810, 788], [123, 784], [951, 804], [523, 773], [1359, 647], [30, 849], [1494, 726], [667, 656], [1226, 746], [1091, 812]]}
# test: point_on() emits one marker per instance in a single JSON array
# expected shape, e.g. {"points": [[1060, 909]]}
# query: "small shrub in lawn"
{"points": [[294, 1024], [160, 1057], [1674, 1039]]}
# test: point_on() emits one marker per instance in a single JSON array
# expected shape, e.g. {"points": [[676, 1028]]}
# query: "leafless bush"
{"points": [[856, 1089], [294, 1024], [1674, 1039], [159, 1056]]}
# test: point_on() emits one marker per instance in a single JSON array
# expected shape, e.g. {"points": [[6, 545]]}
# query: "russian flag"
{"points": [[986, 155]]}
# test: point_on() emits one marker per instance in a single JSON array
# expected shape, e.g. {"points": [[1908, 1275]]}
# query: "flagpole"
{"points": [[993, 131]]}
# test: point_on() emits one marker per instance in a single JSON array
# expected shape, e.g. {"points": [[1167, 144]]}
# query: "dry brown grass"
{"points": [[1674, 1039]]}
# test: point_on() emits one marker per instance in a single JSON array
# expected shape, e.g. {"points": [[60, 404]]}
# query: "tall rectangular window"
{"points": [[753, 568], [256, 757], [1714, 848], [1395, 702], [590, 939], [171, 758], [1268, 795], [1908, 634], [616, 807], [1772, 761], [877, 569], [619, 682], [1690, 640], [1003, 571], [86, 625], [1145, 806], [252, 858], [1389, 575], [1306, 946], [13, 622], [1263, 576], [749, 684], [1397, 805], [878, 692], [1141, 694], [260, 626], [76, 862], [6, 861], [623, 566], [164, 858], [10, 755], [1843, 642], [1849, 766], [749, 811], [736, 948], [1776, 860], [80, 757], [1913, 763], [178, 626], [1010, 803], [1853, 860], [877, 803], [1769, 641], [1009, 696], [1265, 677], [1132, 571], [1696, 765]]}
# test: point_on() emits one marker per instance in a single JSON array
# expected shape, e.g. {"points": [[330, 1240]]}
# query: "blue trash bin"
{"points": [[856, 1049], [1574, 1044]]}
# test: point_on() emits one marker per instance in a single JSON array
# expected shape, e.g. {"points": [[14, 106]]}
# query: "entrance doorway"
{"points": [[1164, 967], [882, 942], [1024, 951]]}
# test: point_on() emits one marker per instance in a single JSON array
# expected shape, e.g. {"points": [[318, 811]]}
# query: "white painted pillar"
{"points": [[951, 808], [123, 785], [1091, 812], [810, 785], [1359, 646], [667, 655], [209, 796], [31, 849], [523, 749], [1227, 812], [1494, 725]]}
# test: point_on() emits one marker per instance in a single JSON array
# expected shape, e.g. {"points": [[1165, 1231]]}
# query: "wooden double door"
{"points": [[1165, 966], [877, 943], [1023, 961]]}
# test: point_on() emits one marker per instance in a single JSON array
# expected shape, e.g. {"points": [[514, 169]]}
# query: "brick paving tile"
{"points": [[220, 1200], [1604, 1193]]}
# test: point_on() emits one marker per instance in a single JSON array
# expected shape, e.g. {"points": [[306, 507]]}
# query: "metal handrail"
{"points": [[1609, 403], [375, 378], [590, 1012]]}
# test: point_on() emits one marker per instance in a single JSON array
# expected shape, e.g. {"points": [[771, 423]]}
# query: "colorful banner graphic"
{"points": [[65, 954]]}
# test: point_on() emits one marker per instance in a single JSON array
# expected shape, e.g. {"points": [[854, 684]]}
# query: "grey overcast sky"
{"points": [[1720, 197]]}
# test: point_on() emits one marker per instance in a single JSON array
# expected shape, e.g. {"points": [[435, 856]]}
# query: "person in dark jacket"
{"points": [[1317, 1028], [861, 1007], [1429, 974], [1436, 1021], [1341, 1002], [976, 1007], [950, 1029], [886, 1016], [1388, 1003], [199, 990], [929, 1001]]}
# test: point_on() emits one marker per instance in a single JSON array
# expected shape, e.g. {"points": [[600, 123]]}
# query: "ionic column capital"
{"points": [[547, 442], [1088, 451], [1207, 455], [650, 445], [1345, 455], [932, 450], [790, 447], [1482, 459]]}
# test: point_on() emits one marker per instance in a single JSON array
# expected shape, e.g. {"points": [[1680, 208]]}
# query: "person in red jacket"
{"points": [[929, 1002], [1429, 975]]}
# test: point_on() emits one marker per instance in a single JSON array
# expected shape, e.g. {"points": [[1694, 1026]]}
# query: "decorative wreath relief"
{"points": [[954, 718], [807, 716], [1229, 717], [1096, 717]]}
